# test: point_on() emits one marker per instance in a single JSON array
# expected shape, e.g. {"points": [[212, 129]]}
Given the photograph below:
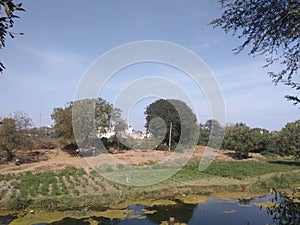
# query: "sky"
{"points": [[62, 40]]}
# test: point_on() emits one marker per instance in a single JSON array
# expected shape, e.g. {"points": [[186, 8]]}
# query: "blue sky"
{"points": [[63, 38]]}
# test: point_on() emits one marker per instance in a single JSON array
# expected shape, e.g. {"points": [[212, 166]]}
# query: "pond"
{"points": [[213, 211]]}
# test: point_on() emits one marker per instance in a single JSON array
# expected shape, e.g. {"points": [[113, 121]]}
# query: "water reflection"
{"points": [[213, 211], [5, 220]]}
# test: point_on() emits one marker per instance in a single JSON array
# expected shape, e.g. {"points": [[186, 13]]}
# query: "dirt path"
{"points": [[57, 160]]}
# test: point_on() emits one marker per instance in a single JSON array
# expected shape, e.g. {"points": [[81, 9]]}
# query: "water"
{"points": [[5, 220], [213, 211]]}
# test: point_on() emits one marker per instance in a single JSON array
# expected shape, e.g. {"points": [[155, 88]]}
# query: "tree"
{"points": [[260, 139], [208, 131], [203, 135], [9, 137], [63, 123], [238, 138], [7, 16], [270, 28], [88, 118], [23, 121], [290, 139], [119, 126], [175, 115]]}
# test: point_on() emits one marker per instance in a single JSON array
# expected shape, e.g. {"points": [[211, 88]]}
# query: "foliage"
{"points": [[287, 141], [8, 133], [210, 132], [270, 28], [213, 126], [203, 135], [10, 139], [290, 139], [119, 140], [287, 209], [245, 169], [260, 139], [90, 119], [175, 115], [7, 16], [19, 203], [63, 122], [243, 139], [238, 138]]}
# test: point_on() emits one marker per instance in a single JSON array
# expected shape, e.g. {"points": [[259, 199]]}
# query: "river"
{"points": [[213, 211]]}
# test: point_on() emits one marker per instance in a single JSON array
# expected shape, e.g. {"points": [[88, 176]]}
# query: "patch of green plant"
{"points": [[245, 169], [279, 181], [3, 193], [19, 203], [7, 177]]}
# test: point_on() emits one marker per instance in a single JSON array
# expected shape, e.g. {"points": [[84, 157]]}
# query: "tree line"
{"points": [[170, 125], [245, 140]]}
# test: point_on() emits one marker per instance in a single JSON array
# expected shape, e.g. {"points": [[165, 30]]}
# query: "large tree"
{"points": [[89, 118], [211, 130], [163, 116], [270, 28], [7, 16], [238, 138], [289, 137], [10, 139], [63, 123], [243, 139]]}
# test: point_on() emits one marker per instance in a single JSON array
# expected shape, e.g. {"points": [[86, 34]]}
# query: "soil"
{"points": [[58, 159]]}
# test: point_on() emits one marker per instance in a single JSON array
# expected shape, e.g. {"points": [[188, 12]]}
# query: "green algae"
{"points": [[53, 216], [192, 199]]}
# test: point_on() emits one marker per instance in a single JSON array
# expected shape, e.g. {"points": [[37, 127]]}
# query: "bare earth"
{"points": [[57, 159]]}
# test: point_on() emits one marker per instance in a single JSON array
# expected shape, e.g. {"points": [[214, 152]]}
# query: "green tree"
{"points": [[89, 118], [260, 139], [203, 135], [10, 139], [238, 138], [63, 123], [269, 28], [119, 126], [274, 144], [290, 139], [174, 115], [208, 131], [7, 16]]}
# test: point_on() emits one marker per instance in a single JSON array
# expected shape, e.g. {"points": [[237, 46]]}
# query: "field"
{"points": [[65, 182]]}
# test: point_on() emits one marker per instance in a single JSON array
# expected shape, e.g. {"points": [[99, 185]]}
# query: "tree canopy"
{"points": [[175, 115], [238, 138], [13, 134], [289, 139], [269, 28], [9, 137], [88, 118], [7, 16]]}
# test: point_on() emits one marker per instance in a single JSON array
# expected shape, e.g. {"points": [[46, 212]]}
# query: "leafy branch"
{"points": [[7, 16]]}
